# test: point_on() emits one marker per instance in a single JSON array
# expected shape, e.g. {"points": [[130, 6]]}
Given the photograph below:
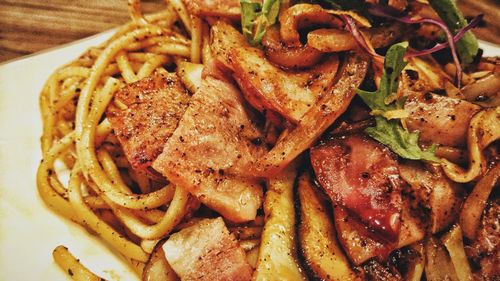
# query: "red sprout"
{"points": [[381, 11]]}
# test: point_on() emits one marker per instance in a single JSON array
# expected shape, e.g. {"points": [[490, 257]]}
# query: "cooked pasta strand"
{"points": [[72, 266]]}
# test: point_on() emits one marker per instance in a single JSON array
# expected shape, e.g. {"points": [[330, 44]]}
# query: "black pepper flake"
{"points": [[412, 74]]}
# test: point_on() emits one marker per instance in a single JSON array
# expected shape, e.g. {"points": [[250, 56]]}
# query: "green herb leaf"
{"points": [[257, 17], [393, 65], [467, 46], [390, 132], [399, 140]]}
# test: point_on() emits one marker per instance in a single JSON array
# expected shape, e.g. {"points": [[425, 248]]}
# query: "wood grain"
{"points": [[29, 26]]}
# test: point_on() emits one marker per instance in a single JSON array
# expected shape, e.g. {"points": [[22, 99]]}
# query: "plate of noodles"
{"points": [[239, 140]]}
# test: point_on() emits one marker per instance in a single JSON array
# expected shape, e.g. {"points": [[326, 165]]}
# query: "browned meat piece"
{"points": [[211, 150], [207, 251], [144, 115], [374, 271], [360, 244], [361, 175], [440, 120], [214, 8], [484, 251]]}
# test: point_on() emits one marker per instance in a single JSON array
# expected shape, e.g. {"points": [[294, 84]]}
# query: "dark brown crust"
{"points": [[484, 250]]}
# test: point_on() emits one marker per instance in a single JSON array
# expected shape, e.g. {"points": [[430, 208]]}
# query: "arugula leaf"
{"points": [[399, 140], [467, 46], [391, 132], [393, 65], [257, 17]]}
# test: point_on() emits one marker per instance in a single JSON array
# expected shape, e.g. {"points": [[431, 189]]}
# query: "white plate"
{"points": [[28, 230]]}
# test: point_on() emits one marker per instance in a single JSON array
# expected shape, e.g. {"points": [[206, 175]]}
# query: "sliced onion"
{"points": [[484, 91], [359, 37]]}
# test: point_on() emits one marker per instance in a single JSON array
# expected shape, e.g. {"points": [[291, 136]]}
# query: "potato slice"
{"points": [[318, 242], [157, 267], [277, 254], [190, 75]]}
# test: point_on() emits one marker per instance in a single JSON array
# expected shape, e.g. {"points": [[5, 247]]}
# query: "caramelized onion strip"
{"points": [[326, 110], [289, 56], [484, 129], [338, 40], [302, 15], [470, 216]]}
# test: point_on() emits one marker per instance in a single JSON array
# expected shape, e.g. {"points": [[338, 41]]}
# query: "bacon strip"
{"points": [[144, 115], [211, 150], [362, 176], [207, 251]]}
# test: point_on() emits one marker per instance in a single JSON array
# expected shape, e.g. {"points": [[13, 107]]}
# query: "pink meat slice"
{"points": [[210, 151]]}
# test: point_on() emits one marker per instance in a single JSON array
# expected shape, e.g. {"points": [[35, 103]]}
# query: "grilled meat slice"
{"points": [[207, 251], [210, 152], [144, 115], [361, 175], [360, 244]]}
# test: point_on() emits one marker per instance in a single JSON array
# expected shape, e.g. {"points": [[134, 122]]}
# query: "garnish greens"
{"points": [[257, 17], [467, 46], [390, 131]]}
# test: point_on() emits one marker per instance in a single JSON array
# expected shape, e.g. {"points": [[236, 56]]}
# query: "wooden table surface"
{"points": [[28, 26]]}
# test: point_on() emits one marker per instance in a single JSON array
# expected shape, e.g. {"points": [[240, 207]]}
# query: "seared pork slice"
{"points": [[207, 251], [360, 244], [268, 87], [210, 152], [144, 115], [214, 8], [361, 175], [440, 120]]}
